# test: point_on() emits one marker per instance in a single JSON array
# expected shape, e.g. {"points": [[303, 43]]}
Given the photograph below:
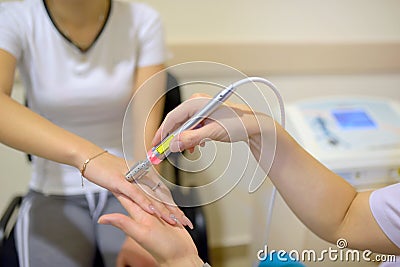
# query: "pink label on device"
{"points": [[152, 158]]}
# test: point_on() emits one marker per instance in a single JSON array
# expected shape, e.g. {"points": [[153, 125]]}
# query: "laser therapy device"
{"points": [[161, 151], [356, 137]]}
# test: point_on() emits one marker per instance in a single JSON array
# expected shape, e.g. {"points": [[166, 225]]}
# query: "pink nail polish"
{"points": [[155, 211], [187, 222], [173, 217]]}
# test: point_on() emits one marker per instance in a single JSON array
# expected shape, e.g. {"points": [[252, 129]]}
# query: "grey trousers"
{"points": [[63, 230]]}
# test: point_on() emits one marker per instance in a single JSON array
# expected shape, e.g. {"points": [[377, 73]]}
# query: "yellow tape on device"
{"points": [[164, 146]]}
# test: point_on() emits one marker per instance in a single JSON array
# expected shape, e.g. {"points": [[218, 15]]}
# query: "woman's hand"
{"points": [[229, 123], [109, 172], [169, 245]]}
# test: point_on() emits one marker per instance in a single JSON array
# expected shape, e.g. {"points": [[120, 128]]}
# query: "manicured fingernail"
{"points": [[173, 217], [103, 221], [154, 210], [202, 143], [187, 222]]}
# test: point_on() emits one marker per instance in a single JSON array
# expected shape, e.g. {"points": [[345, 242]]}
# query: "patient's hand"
{"points": [[170, 245], [133, 255], [154, 187], [109, 172]]}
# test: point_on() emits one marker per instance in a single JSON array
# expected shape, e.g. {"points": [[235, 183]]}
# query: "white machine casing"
{"points": [[357, 137]]}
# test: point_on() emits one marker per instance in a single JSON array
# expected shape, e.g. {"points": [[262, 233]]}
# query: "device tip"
{"points": [[138, 171]]}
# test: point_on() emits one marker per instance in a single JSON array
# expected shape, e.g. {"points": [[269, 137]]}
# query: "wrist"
{"points": [[86, 162], [82, 154], [260, 126], [263, 144]]}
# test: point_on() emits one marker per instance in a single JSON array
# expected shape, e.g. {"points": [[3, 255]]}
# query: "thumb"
{"points": [[125, 224]]}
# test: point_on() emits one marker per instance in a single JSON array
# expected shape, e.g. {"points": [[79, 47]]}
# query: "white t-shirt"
{"points": [[385, 206], [84, 92]]}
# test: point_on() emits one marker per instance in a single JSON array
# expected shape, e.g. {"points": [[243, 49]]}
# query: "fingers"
{"points": [[137, 195], [171, 122], [164, 195], [199, 95], [155, 202], [125, 223], [133, 209], [191, 138], [160, 192], [150, 205], [138, 215], [180, 115]]}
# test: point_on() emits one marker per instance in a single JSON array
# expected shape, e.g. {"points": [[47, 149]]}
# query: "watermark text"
{"points": [[340, 253]]}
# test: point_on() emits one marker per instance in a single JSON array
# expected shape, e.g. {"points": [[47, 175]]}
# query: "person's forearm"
{"points": [[316, 195], [328, 205], [27, 131]]}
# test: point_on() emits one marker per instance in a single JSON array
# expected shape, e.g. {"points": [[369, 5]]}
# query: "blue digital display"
{"points": [[353, 119]]}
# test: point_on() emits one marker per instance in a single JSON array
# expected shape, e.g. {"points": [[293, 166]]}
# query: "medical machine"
{"points": [[356, 137]]}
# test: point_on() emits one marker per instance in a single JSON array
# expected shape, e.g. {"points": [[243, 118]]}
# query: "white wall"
{"points": [[279, 20]]}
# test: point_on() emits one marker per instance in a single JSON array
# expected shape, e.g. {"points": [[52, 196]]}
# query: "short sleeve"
{"points": [[385, 207], [152, 49], [11, 29]]}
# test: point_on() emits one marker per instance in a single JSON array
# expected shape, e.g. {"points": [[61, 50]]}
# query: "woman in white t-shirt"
{"points": [[80, 63], [323, 201]]}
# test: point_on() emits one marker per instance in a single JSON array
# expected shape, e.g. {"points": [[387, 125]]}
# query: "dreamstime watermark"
{"points": [[340, 253]]}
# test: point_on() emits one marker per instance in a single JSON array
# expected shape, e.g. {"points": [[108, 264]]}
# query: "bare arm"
{"points": [[322, 200], [29, 132]]}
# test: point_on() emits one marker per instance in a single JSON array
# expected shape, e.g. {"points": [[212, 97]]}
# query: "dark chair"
{"points": [[8, 252]]}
